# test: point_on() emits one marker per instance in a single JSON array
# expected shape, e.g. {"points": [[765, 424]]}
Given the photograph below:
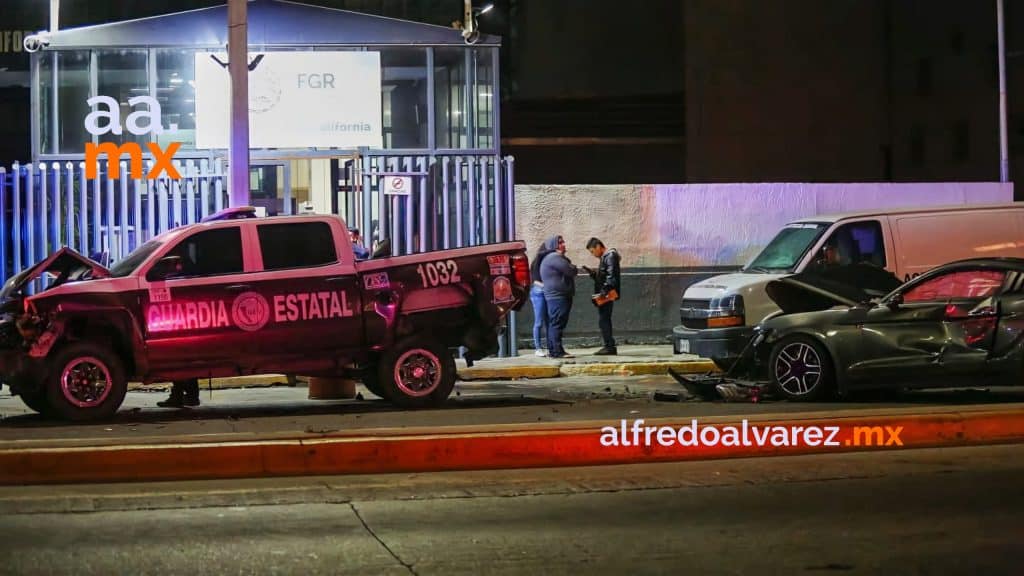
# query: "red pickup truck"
{"points": [[252, 296]]}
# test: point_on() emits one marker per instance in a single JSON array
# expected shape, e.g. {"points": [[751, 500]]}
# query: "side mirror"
{"points": [[895, 302], [166, 267]]}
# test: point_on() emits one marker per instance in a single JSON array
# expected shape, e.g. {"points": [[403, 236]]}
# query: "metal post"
{"points": [[35, 106], [69, 204], [54, 15], [474, 236], [459, 241], [238, 65], [444, 204], [410, 207], [54, 107], [16, 217], [421, 165], [431, 128], [511, 205], [286, 173], [1004, 155], [3, 225]]}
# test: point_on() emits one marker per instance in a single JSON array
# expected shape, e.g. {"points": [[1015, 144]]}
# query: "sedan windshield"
{"points": [[128, 265], [784, 252]]}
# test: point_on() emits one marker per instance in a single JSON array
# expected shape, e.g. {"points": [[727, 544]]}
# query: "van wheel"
{"points": [[417, 373], [86, 382], [801, 368]]}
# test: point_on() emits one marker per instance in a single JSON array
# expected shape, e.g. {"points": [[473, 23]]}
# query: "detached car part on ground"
{"points": [[252, 296], [961, 324]]}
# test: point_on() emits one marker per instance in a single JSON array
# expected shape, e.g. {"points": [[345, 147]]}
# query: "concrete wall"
{"points": [[670, 236]]}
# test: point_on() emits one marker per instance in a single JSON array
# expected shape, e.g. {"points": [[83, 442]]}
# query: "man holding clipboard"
{"points": [[607, 288]]}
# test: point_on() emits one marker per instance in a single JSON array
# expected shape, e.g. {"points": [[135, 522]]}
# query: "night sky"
{"points": [[604, 91]]}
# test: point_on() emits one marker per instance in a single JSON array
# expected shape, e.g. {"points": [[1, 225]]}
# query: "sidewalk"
{"points": [[631, 361]]}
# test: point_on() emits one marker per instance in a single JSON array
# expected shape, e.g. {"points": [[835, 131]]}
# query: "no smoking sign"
{"points": [[399, 185]]}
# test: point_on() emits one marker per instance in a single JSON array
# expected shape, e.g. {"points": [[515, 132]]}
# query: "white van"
{"points": [[718, 314]]}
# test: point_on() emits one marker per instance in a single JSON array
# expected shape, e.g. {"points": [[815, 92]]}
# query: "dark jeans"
{"points": [[604, 321], [558, 318]]}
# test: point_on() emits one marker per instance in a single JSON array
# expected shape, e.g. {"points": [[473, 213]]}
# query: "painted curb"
{"points": [[508, 372], [638, 368], [569, 445]]}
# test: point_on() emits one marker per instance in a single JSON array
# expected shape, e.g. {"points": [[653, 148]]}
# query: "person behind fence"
{"points": [[361, 251], [184, 394], [558, 274], [540, 309], [607, 288]]}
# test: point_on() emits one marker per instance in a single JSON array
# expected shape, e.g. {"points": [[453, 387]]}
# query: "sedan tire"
{"points": [[801, 368]]}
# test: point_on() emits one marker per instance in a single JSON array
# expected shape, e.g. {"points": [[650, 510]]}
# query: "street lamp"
{"points": [[470, 28]]}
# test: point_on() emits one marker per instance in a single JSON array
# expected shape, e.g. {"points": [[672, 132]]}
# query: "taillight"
{"points": [[521, 269]]}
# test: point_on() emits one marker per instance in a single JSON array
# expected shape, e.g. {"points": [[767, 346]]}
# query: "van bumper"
{"points": [[721, 345]]}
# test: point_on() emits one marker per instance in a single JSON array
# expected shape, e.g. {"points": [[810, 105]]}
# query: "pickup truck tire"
{"points": [[86, 382], [418, 372]]}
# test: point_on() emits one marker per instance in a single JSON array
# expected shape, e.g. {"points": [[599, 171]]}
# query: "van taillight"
{"points": [[521, 269]]}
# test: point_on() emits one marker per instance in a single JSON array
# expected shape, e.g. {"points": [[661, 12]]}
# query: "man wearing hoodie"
{"points": [[559, 277]]}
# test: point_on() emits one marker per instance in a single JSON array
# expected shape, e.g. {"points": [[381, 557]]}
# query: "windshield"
{"points": [[130, 263], [787, 248]]}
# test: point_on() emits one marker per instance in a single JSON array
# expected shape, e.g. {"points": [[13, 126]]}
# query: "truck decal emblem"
{"points": [[250, 311], [311, 306], [378, 281], [159, 293], [190, 315], [499, 265]]}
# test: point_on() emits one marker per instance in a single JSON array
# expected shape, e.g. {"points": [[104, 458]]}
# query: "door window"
{"points": [[960, 285], [210, 252], [299, 245], [854, 243]]}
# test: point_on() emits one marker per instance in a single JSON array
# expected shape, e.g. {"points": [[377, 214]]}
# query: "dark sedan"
{"points": [[961, 324]]}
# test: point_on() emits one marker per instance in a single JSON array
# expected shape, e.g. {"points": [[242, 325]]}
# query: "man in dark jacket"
{"points": [[606, 282], [559, 277]]}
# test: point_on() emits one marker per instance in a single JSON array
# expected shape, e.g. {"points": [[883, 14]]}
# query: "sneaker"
{"points": [[606, 351], [540, 353]]}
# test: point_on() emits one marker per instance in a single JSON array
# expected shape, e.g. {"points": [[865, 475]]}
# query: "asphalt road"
{"points": [[284, 409], [952, 511]]}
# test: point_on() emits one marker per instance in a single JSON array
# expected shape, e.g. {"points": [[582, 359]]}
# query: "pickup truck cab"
{"points": [[242, 296]]}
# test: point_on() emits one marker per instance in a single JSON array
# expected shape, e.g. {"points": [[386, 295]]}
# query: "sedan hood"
{"points": [[65, 263], [822, 289]]}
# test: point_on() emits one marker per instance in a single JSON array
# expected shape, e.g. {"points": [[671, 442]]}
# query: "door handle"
{"points": [[238, 287], [336, 279]]}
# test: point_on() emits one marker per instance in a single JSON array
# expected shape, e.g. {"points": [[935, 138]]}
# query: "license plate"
{"points": [[683, 346]]}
